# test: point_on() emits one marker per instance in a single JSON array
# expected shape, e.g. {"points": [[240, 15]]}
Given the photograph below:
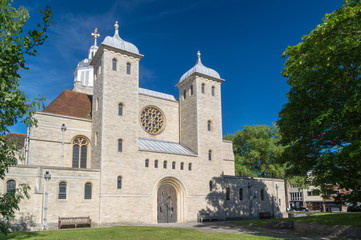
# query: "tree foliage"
{"points": [[14, 104], [321, 123], [256, 151]]}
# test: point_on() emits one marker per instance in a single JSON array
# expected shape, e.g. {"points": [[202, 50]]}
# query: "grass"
{"points": [[126, 232], [347, 219]]}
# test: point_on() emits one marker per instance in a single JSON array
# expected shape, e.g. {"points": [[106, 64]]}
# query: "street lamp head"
{"points": [[63, 127], [47, 175]]}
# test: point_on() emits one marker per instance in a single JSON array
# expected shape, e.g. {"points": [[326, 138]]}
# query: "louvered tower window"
{"points": [[114, 64], [119, 182], [120, 109], [128, 68]]}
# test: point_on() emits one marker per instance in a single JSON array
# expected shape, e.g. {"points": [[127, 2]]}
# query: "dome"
{"points": [[84, 63], [200, 68], [119, 43]]}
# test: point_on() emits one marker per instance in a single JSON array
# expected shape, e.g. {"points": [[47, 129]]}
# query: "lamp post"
{"points": [[277, 200], [63, 129], [47, 177]]}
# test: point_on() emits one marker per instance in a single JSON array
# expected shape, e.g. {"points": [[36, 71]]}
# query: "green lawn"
{"points": [[133, 233], [348, 219]]}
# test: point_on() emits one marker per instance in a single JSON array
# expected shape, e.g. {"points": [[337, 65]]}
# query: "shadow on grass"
{"points": [[19, 235], [346, 219]]}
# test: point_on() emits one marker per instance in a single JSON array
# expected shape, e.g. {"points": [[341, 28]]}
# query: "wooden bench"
{"points": [[265, 215], [73, 221], [206, 217]]}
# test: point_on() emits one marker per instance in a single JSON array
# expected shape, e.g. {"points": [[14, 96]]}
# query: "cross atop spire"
{"points": [[96, 35]]}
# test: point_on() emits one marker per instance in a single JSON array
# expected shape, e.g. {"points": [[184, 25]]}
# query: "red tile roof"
{"points": [[71, 103], [17, 138]]}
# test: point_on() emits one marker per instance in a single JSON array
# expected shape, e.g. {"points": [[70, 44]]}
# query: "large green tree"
{"points": [[321, 123], [256, 151], [14, 104]]}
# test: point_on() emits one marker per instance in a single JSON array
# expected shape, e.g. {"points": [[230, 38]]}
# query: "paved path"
{"points": [[229, 227]]}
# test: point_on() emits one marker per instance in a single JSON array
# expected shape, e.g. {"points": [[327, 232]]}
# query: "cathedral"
{"points": [[117, 153]]}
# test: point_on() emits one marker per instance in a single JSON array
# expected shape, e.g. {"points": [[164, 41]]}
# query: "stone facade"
{"points": [[127, 167]]}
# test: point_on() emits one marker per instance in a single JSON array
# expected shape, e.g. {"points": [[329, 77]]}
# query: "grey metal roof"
{"points": [[200, 68], [152, 145], [157, 94]]}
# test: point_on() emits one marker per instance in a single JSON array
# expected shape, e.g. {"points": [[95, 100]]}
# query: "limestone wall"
{"points": [[31, 213], [188, 122], [228, 158], [171, 113], [45, 142], [251, 202]]}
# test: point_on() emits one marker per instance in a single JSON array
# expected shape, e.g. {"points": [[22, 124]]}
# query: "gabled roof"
{"points": [[16, 137], [152, 145], [70, 103]]}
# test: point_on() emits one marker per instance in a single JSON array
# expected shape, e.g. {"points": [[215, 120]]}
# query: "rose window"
{"points": [[152, 120]]}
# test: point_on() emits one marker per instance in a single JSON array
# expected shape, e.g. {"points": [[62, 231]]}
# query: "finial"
{"points": [[96, 35], [116, 27], [199, 57]]}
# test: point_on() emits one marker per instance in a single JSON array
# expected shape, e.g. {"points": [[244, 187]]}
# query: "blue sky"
{"points": [[242, 40]]}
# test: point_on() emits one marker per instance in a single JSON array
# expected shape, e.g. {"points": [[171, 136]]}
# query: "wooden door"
{"points": [[167, 204]]}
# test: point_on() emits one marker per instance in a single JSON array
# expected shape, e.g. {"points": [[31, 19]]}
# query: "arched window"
{"points": [[209, 125], [184, 95], [181, 166], [210, 155], [146, 163], [210, 186], [80, 152], [119, 182], [241, 194], [173, 165], [228, 193], [156, 164], [120, 109], [212, 90], [88, 191], [262, 194], [62, 190], [120, 145], [190, 166], [203, 87], [165, 164], [191, 89], [10, 187], [128, 68], [114, 65]]}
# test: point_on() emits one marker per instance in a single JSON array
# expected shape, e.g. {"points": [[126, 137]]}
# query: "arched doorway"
{"points": [[166, 204]]}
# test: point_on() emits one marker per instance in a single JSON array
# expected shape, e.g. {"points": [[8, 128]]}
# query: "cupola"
{"points": [[117, 42], [200, 68]]}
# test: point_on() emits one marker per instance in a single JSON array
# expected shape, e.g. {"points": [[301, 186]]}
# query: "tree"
{"points": [[256, 151], [321, 123], [14, 104]]}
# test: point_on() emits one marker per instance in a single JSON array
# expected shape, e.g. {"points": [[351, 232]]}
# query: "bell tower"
{"points": [[115, 115], [201, 112]]}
